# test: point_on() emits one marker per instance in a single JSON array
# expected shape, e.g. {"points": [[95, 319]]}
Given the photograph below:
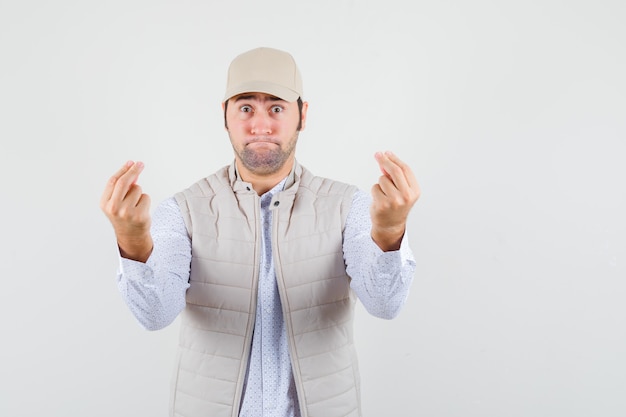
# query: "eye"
{"points": [[276, 109], [245, 109]]}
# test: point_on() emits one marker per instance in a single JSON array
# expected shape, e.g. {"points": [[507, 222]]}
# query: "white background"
{"points": [[512, 115]]}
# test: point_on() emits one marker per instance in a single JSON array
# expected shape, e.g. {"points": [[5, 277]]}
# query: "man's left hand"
{"points": [[393, 196]]}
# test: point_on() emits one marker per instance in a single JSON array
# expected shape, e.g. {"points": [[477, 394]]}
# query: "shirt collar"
{"points": [[286, 183]]}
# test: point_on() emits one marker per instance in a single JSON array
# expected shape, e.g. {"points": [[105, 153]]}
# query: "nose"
{"points": [[261, 124]]}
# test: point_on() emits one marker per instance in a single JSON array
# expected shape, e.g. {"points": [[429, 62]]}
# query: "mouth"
{"points": [[262, 141]]}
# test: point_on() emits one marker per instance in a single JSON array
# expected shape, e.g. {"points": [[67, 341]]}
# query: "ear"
{"points": [[224, 113], [305, 107]]}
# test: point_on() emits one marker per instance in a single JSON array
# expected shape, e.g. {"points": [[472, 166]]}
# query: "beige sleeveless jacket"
{"points": [[222, 216]]}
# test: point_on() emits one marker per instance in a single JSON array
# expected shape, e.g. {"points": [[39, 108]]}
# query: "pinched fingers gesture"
{"points": [[393, 197], [128, 209]]}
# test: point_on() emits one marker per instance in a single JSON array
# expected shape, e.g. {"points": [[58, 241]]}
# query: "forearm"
{"points": [[155, 290], [382, 280], [154, 297]]}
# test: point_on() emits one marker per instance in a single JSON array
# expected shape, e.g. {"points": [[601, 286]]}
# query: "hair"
{"points": [[299, 114]]}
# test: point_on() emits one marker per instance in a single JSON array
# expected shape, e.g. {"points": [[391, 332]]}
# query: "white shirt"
{"points": [[155, 293]]}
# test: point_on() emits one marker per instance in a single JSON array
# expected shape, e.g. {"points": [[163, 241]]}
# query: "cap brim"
{"points": [[262, 87]]}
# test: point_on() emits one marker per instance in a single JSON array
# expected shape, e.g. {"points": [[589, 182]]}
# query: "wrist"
{"points": [[388, 239], [136, 248]]}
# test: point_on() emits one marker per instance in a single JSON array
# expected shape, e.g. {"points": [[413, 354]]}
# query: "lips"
{"points": [[263, 141]]}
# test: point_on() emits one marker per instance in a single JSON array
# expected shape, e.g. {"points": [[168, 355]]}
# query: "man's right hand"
{"points": [[128, 209]]}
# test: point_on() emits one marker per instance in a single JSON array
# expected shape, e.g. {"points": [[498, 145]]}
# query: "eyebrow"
{"points": [[254, 96]]}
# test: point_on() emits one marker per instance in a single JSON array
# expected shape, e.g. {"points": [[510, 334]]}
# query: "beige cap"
{"points": [[264, 70]]}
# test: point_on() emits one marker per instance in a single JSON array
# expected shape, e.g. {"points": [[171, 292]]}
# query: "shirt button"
{"points": [[276, 203]]}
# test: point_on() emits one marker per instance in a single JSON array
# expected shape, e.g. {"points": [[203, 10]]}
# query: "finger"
{"points": [[388, 187], [133, 195], [377, 193], [110, 186], [408, 172], [125, 182], [136, 207], [380, 166], [407, 176], [144, 203], [393, 171]]}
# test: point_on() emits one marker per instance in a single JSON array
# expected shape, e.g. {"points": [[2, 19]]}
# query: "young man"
{"points": [[264, 260]]}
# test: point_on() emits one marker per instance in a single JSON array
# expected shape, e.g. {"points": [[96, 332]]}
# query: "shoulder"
{"points": [[324, 186], [205, 187]]}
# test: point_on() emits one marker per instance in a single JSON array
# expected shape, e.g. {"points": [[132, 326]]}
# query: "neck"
{"points": [[262, 183]]}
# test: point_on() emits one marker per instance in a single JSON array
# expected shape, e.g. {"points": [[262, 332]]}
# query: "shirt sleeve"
{"points": [[155, 291], [381, 280]]}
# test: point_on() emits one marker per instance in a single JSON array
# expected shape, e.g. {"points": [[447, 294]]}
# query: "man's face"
{"points": [[263, 130]]}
